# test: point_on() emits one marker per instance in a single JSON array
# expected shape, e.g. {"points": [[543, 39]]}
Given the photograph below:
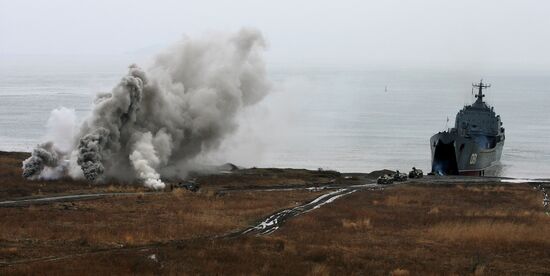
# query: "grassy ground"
{"points": [[439, 229], [419, 228]]}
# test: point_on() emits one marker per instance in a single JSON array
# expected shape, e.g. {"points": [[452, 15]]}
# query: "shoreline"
{"points": [[375, 173]]}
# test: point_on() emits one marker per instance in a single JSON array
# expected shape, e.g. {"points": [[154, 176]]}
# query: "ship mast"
{"points": [[480, 94]]}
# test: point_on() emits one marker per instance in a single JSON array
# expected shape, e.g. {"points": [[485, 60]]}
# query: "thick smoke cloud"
{"points": [[155, 122], [43, 155]]}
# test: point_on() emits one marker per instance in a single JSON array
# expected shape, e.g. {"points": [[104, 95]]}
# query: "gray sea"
{"points": [[348, 119]]}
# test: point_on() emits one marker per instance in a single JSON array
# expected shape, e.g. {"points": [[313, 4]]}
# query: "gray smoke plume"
{"points": [[102, 133], [43, 155], [154, 122], [89, 153]]}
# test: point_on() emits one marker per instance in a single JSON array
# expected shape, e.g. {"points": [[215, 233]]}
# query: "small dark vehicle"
{"points": [[416, 173], [385, 179], [399, 176], [189, 185]]}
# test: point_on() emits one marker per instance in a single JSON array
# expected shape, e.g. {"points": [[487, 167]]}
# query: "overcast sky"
{"points": [[429, 33]]}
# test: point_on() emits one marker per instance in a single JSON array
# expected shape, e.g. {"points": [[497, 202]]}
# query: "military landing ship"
{"points": [[474, 144]]}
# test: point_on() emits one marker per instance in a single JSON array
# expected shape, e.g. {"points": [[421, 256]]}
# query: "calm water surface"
{"points": [[339, 119]]}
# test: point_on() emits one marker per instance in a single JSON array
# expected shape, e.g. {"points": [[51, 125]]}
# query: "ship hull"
{"points": [[453, 154]]}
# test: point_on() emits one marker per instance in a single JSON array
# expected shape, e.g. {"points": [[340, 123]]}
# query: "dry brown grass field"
{"points": [[408, 229]]}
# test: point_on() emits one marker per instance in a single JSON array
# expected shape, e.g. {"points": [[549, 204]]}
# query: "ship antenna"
{"points": [[481, 86]]}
